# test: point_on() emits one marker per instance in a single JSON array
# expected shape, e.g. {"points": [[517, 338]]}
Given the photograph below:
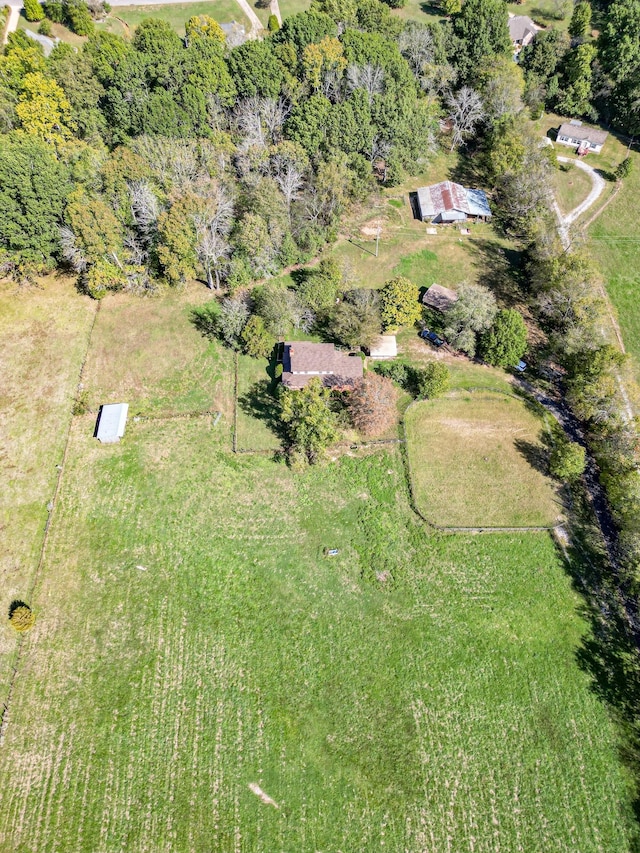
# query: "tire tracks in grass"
{"points": [[4, 712]]}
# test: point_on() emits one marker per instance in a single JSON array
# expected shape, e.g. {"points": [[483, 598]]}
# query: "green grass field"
{"points": [[414, 692], [475, 462], [44, 335], [614, 240], [195, 653]]}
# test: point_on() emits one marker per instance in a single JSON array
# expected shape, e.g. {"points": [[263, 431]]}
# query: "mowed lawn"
{"points": [[614, 240], [177, 14], [44, 335], [571, 186], [476, 461], [415, 692]]}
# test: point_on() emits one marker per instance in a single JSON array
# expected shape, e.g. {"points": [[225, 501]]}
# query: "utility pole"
{"points": [[377, 239]]}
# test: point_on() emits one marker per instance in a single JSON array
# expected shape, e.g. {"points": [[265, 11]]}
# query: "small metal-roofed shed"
{"points": [[439, 297], [384, 347], [111, 422]]}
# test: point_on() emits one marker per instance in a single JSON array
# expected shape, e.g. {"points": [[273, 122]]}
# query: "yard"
{"points": [[195, 654], [571, 185], [475, 461], [224, 11]]}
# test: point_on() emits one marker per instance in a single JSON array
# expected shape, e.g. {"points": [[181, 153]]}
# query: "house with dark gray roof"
{"points": [[583, 138], [522, 30], [450, 202], [301, 361]]}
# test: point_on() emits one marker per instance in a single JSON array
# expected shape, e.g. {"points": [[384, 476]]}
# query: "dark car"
{"points": [[434, 339]]}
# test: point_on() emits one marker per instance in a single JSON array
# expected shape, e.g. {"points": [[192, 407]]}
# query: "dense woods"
{"points": [[162, 158]]}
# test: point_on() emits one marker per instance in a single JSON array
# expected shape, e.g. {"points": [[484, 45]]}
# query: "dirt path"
{"points": [[256, 24], [597, 186], [14, 16]]}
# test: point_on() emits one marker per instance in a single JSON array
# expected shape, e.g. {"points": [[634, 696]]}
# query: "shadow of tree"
{"points": [[609, 651], [15, 604], [500, 270], [205, 320], [260, 402], [535, 454], [470, 168]]}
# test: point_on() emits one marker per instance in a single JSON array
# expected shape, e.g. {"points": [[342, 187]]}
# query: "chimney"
{"points": [[290, 351]]}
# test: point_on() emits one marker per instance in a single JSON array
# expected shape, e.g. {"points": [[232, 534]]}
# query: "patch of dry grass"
{"points": [[148, 353], [477, 461], [43, 336]]}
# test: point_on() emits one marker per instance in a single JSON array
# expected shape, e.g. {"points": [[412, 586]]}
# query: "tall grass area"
{"points": [[44, 335], [614, 239], [414, 692]]}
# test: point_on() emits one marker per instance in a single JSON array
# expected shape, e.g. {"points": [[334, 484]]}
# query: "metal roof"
{"points": [[111, 422], [452, 201]]}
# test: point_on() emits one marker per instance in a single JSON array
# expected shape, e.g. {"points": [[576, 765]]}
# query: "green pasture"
{"points": [[202, 677], [195, 653]]}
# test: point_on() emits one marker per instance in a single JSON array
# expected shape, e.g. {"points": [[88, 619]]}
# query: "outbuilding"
{"points": [[451, 202], [111, 422], [439, 297]]}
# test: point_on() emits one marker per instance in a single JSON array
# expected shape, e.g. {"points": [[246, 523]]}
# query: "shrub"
{"points": [[623, 169], [21, 616], [33, 11], [45, 28], [272, 24], [395, 370], [79, 18], [432, 380], [372, 404], [81, 404], [568, 460], [256, 340], [55, 11]]}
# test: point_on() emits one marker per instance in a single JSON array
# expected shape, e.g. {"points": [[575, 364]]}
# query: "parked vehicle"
{"points": [[434, 339], [521, 366]]}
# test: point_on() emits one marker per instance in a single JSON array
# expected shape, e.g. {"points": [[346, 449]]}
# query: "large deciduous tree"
{"points": [[472, 314], [504, 344], [33, 188], [310, 424], [399, 304], [372, 404]]}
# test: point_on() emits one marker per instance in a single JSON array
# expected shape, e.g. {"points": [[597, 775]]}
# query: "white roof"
{"points": [[111, 422], [384, 347]]}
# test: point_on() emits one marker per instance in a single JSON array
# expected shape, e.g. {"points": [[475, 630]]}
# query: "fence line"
{"points": [[47, 528]]}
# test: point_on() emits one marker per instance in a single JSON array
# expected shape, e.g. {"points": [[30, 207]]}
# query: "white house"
{"points": [[581, 137]]}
